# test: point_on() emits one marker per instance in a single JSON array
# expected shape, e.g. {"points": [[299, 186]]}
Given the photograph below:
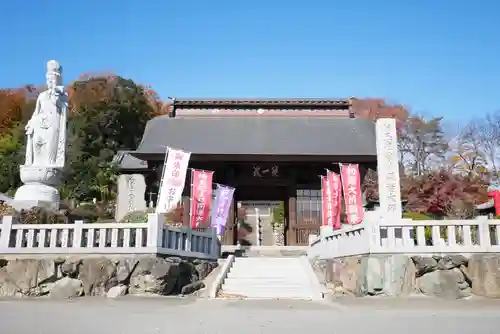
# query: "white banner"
{"points": [[172, 180]]}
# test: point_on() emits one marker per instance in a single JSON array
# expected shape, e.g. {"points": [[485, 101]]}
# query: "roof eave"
{"points": [[272, 102]]}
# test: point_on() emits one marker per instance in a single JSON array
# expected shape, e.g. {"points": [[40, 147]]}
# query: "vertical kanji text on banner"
{"points": [[173, 179], [201, 197]]}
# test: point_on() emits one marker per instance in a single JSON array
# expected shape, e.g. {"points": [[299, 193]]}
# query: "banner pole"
{"points": [[191, 198], [189, 230], [344, 197], [159, 200]]}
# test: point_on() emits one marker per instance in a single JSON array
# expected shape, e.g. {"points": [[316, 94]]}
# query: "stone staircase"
{"points": [[271, 277]]}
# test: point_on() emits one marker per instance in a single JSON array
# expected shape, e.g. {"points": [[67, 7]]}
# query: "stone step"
{"points": [[281, 281], [284, 270], [242, 273], [263, 286], [267, 260], [268, 266], [270, 292], [282, 254], [271, 287], [237, 276]]}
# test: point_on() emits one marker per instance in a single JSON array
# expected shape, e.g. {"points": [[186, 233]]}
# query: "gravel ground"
{"points": [[191, 316]]}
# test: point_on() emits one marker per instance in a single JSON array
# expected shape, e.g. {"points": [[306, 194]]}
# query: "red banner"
{"points": [[326, 202], [201, 197], [351, 184], [336, 189], [331, 194]]}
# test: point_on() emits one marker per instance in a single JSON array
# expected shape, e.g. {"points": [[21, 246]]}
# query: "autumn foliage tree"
{"points": [[374, 109], [107, 114], [445, 194], [441, 193], [12, 102]]}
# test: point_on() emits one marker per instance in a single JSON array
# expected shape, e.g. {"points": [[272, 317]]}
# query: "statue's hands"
{"points": [[29, 128]]}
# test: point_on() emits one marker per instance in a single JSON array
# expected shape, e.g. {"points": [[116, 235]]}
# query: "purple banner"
{"points": [[221, 205]]}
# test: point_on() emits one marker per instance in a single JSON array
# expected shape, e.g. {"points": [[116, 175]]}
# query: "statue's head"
{"points": [[54, 74]]}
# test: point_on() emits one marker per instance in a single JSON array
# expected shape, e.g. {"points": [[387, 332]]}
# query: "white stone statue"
{"points": [[46, 130], [45, 145]]}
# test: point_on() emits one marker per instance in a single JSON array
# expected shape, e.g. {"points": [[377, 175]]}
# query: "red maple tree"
{"points": [[441, 193]]}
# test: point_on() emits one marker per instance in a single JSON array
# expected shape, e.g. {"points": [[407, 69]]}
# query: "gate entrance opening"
{"points": [[259, 223]]}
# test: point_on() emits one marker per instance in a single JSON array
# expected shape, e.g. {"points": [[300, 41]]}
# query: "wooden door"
{"points": [[300, 226]]}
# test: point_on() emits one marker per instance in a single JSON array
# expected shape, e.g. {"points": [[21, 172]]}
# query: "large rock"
{"points": [[117, 291], [447, 284], [424, 264], [484, 273], [27, 277], [391, 275], [71, 267], [154, 276], [448, 262], [98, 276], [124, 269], [67, 287], [345, 273], [202, 269], [192, 287]]}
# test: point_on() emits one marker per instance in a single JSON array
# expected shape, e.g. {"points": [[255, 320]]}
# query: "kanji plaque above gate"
{"points": [[265, 171]]}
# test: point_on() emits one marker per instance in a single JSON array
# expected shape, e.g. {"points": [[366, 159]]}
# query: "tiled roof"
{"points": [[260, 135]]}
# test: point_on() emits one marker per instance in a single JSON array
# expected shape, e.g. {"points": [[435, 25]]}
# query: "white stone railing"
{"points": [[406, 236], [348, 241], [153, 237]]}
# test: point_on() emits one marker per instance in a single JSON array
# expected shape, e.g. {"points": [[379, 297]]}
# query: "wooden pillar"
{"points": [[291, 210], [363, 169], [229, 233]]}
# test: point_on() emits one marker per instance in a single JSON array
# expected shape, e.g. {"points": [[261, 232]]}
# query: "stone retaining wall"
{"points": [[111, 277], [449, 277]]}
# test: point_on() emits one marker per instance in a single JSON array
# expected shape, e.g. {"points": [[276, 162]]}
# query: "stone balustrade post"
{"points": [[77, 234], [155, 230], [6, 224], [215, 250]]}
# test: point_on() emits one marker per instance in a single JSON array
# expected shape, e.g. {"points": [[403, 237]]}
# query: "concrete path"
{"points": [[134, 315]]}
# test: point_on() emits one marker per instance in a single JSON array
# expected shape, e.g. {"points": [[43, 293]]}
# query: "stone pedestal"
{"points": [[38, 189]]}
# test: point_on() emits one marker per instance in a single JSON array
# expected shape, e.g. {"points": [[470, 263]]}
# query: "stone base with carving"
{"points": [[279, 235], [38, 188]]}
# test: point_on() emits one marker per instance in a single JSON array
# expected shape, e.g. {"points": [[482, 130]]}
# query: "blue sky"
{"points": [[438, 57]]}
